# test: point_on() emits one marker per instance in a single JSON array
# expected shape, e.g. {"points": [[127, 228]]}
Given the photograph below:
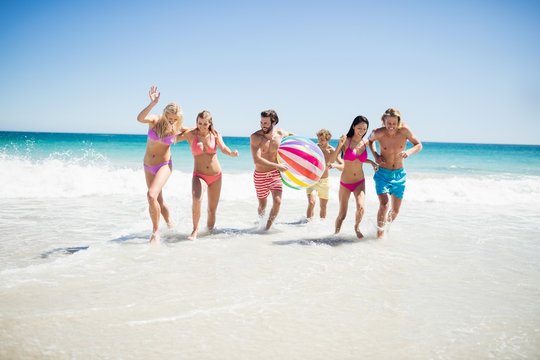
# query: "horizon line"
{"points": [[232, 136]]}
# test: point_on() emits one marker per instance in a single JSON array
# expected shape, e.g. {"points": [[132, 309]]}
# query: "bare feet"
{"points": [[380, 232], [155, 238], [171, 225], [358, 233], [388, 224], [193, 235]]}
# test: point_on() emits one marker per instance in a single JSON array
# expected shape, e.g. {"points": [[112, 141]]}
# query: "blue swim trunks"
{"points": [[390, 181]]}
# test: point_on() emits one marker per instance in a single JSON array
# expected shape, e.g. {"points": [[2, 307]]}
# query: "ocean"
{"points": [[457, 276]]}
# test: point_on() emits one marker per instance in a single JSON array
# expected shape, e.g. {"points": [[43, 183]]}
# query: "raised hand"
{"points": [[342, 140], [154, 94]]}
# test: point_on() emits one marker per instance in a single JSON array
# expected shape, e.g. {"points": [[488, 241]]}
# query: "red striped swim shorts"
{"points": [[266, 182]]}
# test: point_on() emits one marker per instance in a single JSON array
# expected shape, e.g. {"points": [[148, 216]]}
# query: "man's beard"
{"points": [[268, 130]]}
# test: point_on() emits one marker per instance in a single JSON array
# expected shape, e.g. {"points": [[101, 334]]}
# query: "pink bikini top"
{"points": [[152, 135], [350, 155], [197, 147]]}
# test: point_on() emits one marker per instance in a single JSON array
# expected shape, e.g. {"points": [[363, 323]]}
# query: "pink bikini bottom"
{"points": [[353, 186], [208, 179]]}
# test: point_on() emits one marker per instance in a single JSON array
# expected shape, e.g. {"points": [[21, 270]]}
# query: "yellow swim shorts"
{"points": [[321, 187]]}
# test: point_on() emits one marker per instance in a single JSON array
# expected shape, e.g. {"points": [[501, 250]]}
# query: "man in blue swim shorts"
{"points": [[390, 182], [390, 178]]}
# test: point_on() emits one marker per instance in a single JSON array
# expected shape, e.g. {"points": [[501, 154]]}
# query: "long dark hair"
{"points": [[357, 120]]}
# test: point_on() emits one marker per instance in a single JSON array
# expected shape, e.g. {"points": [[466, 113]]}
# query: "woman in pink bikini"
{"points": [[162, 131], [352, 180], [204, 141]]}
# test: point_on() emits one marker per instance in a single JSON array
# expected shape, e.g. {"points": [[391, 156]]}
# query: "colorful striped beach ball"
{"points": [[304, 160]]}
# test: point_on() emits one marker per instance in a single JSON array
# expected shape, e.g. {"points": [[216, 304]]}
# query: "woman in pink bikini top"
{"points": [[204, 141], [351, 155], [352, 179], [162, 130]]}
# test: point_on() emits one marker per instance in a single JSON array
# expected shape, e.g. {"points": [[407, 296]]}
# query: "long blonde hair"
{"points": [[163, 127]]}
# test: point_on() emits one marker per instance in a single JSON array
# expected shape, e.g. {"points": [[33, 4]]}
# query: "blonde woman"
{"points": [[162, 131], [204, 141]]}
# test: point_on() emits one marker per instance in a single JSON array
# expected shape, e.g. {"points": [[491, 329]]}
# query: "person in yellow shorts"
{"points": [[322, 186]]}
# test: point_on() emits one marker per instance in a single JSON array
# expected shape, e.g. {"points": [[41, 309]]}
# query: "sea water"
{"points": [[457, 276]]}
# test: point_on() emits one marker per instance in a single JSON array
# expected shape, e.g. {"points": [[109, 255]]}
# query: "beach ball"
{"points": [[304, 160]]}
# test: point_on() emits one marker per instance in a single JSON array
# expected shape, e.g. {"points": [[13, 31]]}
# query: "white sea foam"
{"points": [[56, 178], [59, 178], [495, 190]]}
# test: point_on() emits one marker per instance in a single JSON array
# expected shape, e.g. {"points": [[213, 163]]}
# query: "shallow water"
{"points": [[449, 281], [457, 275]]}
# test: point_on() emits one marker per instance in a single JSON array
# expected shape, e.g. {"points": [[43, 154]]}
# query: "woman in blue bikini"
{"points": [[352, 177], [162, 131]]}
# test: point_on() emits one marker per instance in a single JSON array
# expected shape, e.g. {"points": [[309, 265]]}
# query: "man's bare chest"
{"points": [[270, 145]]}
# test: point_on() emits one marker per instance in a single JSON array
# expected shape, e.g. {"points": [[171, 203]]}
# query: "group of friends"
{"points": [[348, 157]]}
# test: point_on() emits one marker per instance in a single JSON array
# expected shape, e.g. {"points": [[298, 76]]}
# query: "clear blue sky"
{"points": [[459, 71]]}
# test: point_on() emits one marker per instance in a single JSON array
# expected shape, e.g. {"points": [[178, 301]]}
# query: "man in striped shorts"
{"points": [[264, 145]]}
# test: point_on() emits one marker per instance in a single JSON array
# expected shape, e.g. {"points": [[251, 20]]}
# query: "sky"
{"points": [[459, 71]]}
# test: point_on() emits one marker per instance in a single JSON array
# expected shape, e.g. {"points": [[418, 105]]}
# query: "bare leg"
{"points": [[276, 204], [382, 214], [214, 191], [311, 206], [196, 195], [164, 210], [396, 205], [344, 195], [262, 206], [359, 197], [323, 204], [394, 210], [155, 184]]}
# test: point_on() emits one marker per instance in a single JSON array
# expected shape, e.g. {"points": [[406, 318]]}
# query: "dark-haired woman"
{"points": [[354, 149]]}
